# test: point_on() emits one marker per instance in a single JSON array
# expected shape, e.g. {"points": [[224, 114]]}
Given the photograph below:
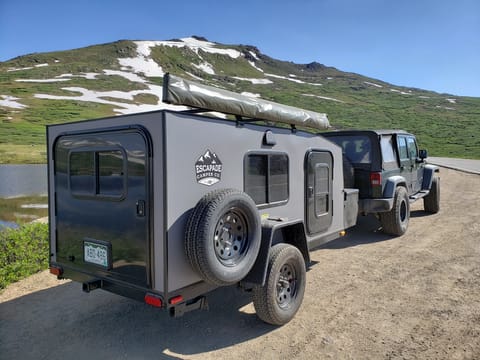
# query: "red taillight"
{"points": [[153, 300], [56, 270], [176, 300], [375, 179]]}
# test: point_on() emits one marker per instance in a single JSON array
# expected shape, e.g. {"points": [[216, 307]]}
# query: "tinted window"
{"points": [[110, 173], [402, 147], [386, 144], [97, 173], [321, 189], [256, 178], [82, 172], [357, 149], [412, 147], [266, 178]]}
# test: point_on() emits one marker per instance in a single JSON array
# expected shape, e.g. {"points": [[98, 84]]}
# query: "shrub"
{"points": [[23, 252]]}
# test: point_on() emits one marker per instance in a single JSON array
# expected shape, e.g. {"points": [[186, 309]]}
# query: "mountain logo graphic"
{"points": [[208, 169]]}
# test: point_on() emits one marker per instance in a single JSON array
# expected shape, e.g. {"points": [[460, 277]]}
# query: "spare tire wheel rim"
{"points": [[286, 286], [231, 237]]}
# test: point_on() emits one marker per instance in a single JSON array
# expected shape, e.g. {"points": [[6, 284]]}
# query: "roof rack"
{"points": [[178, 91]]}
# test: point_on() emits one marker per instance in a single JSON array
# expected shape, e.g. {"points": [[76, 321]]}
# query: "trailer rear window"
{"points": [[97, 173], [266, 178]]}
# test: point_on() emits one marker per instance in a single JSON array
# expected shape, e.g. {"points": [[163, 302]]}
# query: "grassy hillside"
{"points": [[121, 77]]}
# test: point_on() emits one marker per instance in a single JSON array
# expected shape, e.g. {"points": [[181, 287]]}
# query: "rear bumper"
{"points": [[368, 206]]}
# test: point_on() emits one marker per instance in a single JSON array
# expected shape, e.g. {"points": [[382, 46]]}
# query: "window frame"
{"points": [[269, 155]]}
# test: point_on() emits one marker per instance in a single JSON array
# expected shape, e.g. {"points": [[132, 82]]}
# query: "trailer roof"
{"points": [[179, 91]]}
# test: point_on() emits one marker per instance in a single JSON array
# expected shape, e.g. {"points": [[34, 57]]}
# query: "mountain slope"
{"points": [[126, 77]]}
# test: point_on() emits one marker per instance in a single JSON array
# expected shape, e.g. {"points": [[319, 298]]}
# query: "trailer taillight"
{"points": [[176, 300], [58, 271], [153, 300], [376, 179]]}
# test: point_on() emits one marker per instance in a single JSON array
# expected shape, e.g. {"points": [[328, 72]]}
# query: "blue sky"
{"points": [[429, 44]]}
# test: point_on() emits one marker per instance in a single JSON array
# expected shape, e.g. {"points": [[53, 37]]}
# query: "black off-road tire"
{"points": [[222, 237], [279, 299], [431, 202], [395, 222]]}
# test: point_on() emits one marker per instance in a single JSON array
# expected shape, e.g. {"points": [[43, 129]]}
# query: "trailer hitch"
{"points": [[92, 285], [197, 303]]}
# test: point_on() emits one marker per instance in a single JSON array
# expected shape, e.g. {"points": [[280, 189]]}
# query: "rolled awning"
{"points": [[178, 91]]}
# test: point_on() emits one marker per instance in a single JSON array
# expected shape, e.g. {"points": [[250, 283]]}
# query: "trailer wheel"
{"points": [[431, 202], [279, 299], [395, 222], [223, 235]]}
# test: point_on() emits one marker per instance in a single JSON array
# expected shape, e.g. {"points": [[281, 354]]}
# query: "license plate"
{"points": [[96, 253]]}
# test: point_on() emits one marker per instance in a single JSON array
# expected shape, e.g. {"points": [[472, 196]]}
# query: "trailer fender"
{"points": [[391, 185], [274, 232], [428, 173]]}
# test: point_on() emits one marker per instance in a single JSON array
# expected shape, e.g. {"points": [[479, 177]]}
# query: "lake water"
{"points": [[23, 180]]}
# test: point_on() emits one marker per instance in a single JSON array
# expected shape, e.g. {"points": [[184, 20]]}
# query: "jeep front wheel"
{"points": [[395, 222]]}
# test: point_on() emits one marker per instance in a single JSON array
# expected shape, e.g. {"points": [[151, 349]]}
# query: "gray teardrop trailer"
{"points": [[166, 206]]}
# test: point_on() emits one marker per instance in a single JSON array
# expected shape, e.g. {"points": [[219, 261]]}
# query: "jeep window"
{"points": [[357, 148], [388, 152], [412, 148], [266, 178], [402, 148]]}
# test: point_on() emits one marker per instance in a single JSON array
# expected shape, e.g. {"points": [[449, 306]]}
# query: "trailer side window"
{"points": [[266, 178], [97, 173]]}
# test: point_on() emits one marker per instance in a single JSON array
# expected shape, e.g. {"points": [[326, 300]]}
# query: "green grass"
{"points": [[23, 252], [11, 209]]}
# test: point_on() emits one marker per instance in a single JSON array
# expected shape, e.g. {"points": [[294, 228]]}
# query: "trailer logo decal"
{"points": [[208, 168]]}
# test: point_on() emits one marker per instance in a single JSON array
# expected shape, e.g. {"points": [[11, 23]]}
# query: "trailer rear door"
{"points": [[102, 204]]}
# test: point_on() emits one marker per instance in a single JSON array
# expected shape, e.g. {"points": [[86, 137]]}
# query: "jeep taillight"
{"points": [[376, 179]]}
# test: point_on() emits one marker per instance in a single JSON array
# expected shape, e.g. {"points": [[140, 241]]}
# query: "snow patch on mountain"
{"points": [[373, 84], [196, 45], [206, 67], [142, 64], [324, 97], [122, 107], [255, 81], [452, 101], [401, 92], [42, 80], [11, 102]]}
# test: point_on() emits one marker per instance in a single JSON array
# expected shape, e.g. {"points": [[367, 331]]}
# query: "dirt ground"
{"points": [[368, 296]]}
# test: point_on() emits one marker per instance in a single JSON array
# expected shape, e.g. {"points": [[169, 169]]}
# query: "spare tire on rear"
{"points": [[223, 235]]}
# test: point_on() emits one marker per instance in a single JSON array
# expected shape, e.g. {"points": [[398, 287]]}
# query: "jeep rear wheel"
{"points": [[279, 299], [395, 222], [223, 235], [431, 202]]}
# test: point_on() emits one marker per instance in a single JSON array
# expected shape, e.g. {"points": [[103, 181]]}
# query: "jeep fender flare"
{"points": [[428, 174], [273, 232], [392, 183]]}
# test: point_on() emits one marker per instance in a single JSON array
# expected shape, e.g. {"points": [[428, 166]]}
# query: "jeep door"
{"points": [[416, 165]]}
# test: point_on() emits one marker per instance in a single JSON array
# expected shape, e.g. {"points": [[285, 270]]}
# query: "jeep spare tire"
{"points": [[223, 235]]}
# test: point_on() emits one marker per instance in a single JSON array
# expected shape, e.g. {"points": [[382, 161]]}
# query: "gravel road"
{"points": [[368, 296]]}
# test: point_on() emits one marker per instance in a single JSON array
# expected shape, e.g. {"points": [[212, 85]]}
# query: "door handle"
{"points": [[141, 208]]}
